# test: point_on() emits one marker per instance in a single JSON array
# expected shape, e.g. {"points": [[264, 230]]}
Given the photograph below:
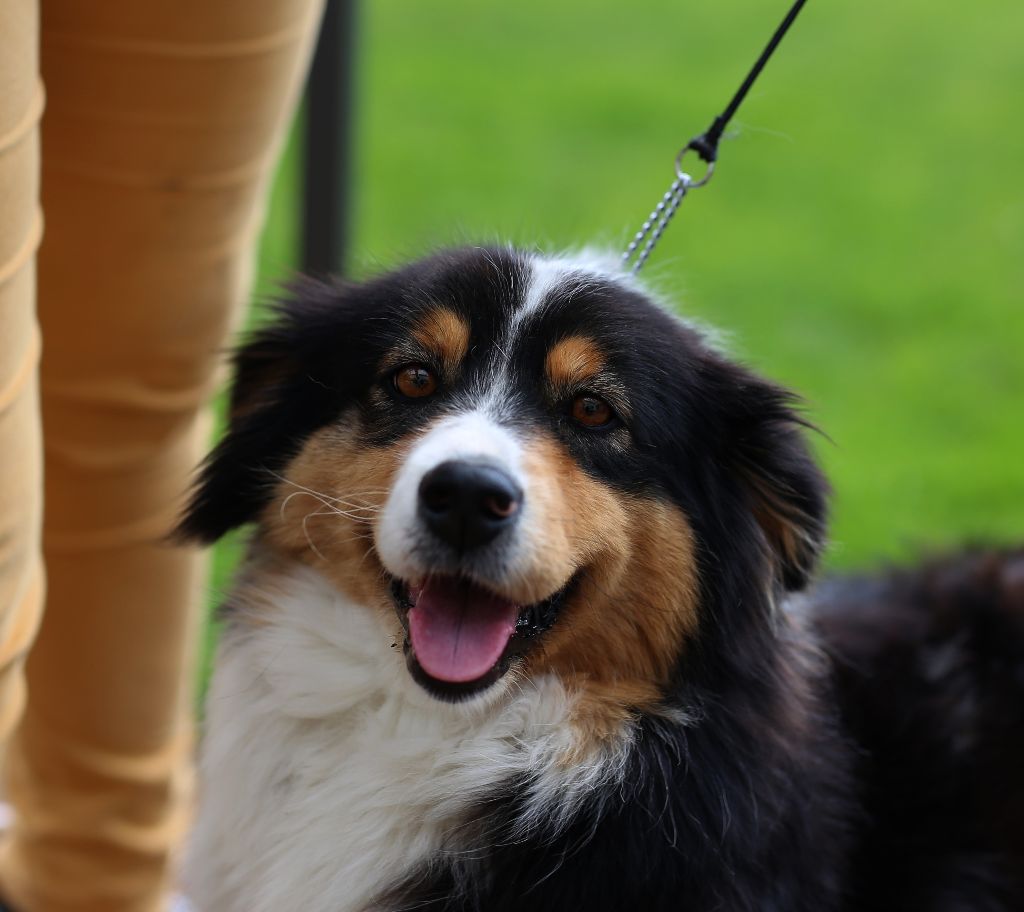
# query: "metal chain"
{"points": [[651, 230], [657, 221]]}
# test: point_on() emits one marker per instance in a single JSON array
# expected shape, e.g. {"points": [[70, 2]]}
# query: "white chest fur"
{"points": [[328, 775]]}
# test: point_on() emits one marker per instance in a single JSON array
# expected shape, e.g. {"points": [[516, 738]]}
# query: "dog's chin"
{"points": [[462, 639]]}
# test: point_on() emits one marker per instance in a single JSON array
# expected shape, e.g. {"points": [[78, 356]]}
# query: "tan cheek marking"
{"points": [[616, 640], [445, 333], [335, 535], [572, 519], [573, 361]]}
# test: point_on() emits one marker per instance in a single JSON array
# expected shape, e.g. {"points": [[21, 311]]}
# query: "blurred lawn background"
{"points": [[862, 241]]}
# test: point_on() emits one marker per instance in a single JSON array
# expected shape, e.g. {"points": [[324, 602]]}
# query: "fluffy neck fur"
{"points": [[353, 779]]}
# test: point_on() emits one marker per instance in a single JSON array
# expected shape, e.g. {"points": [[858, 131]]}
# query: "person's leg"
{"points": [[162, 120], [21, 575]]}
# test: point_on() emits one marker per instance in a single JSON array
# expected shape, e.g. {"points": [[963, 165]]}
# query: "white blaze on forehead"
{"points": [[571, 273], [547, 278], [470, 435], [546, 275], [566, 275]]}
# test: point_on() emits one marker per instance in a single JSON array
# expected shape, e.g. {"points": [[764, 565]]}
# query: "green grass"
{"points": [[862, 241]]}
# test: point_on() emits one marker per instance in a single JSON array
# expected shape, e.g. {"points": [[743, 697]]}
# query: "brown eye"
{"points": [[415, 381], [590, 411]]}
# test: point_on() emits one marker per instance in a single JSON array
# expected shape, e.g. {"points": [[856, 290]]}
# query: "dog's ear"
{"points": [[765, 448], [286, 384]]}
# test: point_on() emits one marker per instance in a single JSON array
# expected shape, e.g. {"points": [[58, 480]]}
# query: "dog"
{"points": [[524, 624]]}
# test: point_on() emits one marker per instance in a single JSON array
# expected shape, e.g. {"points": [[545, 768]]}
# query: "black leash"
{"points": [[706, 147]]}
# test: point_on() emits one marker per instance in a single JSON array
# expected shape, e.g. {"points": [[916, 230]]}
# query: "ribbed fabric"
{"points": [[161, 126]]}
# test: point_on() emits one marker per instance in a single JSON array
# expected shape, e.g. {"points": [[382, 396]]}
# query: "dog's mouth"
{"points": [[460, 637]]}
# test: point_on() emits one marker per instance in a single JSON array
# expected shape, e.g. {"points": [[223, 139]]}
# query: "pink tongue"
{"points": [[459, 630]]}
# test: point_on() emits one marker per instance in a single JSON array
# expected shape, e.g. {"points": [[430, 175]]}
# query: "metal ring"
{"points": [[683, 176]]}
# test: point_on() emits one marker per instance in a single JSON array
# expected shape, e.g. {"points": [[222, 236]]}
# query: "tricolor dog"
{"points": [[520, 627]]}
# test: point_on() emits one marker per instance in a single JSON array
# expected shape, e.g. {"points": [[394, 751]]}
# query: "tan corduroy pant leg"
{"points": [[21, 573], [161, 122]]}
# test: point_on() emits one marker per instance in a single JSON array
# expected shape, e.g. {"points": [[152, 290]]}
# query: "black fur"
{"points": [[930, 668], [869, 762]]}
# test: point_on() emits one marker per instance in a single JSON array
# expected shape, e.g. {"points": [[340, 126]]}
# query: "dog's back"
{"points": [[929, 664]]}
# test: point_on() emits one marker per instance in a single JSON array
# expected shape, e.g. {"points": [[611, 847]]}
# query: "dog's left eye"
{"points": [[591, 411], [414, 381]]}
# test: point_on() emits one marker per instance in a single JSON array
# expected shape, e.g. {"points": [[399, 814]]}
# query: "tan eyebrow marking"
{"points": [[573, 361], [445, 333]]}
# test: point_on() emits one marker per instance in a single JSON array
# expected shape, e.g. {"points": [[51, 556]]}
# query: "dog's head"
{"points": [[524, 464]]}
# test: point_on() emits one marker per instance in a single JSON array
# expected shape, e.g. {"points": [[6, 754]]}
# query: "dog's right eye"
{"points": [[414, 381], [591, 411]]}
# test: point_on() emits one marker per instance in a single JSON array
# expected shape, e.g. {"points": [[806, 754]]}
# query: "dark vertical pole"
{"points": [[328, 142]]}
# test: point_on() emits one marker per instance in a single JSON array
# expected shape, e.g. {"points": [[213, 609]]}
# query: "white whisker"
{"points": [[305, 531]]}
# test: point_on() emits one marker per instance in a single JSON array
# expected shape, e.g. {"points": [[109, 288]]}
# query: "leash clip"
{"points": [[708, 161]]}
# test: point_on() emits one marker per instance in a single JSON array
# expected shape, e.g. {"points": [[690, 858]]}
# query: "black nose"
{"points": [[467, 504]]}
